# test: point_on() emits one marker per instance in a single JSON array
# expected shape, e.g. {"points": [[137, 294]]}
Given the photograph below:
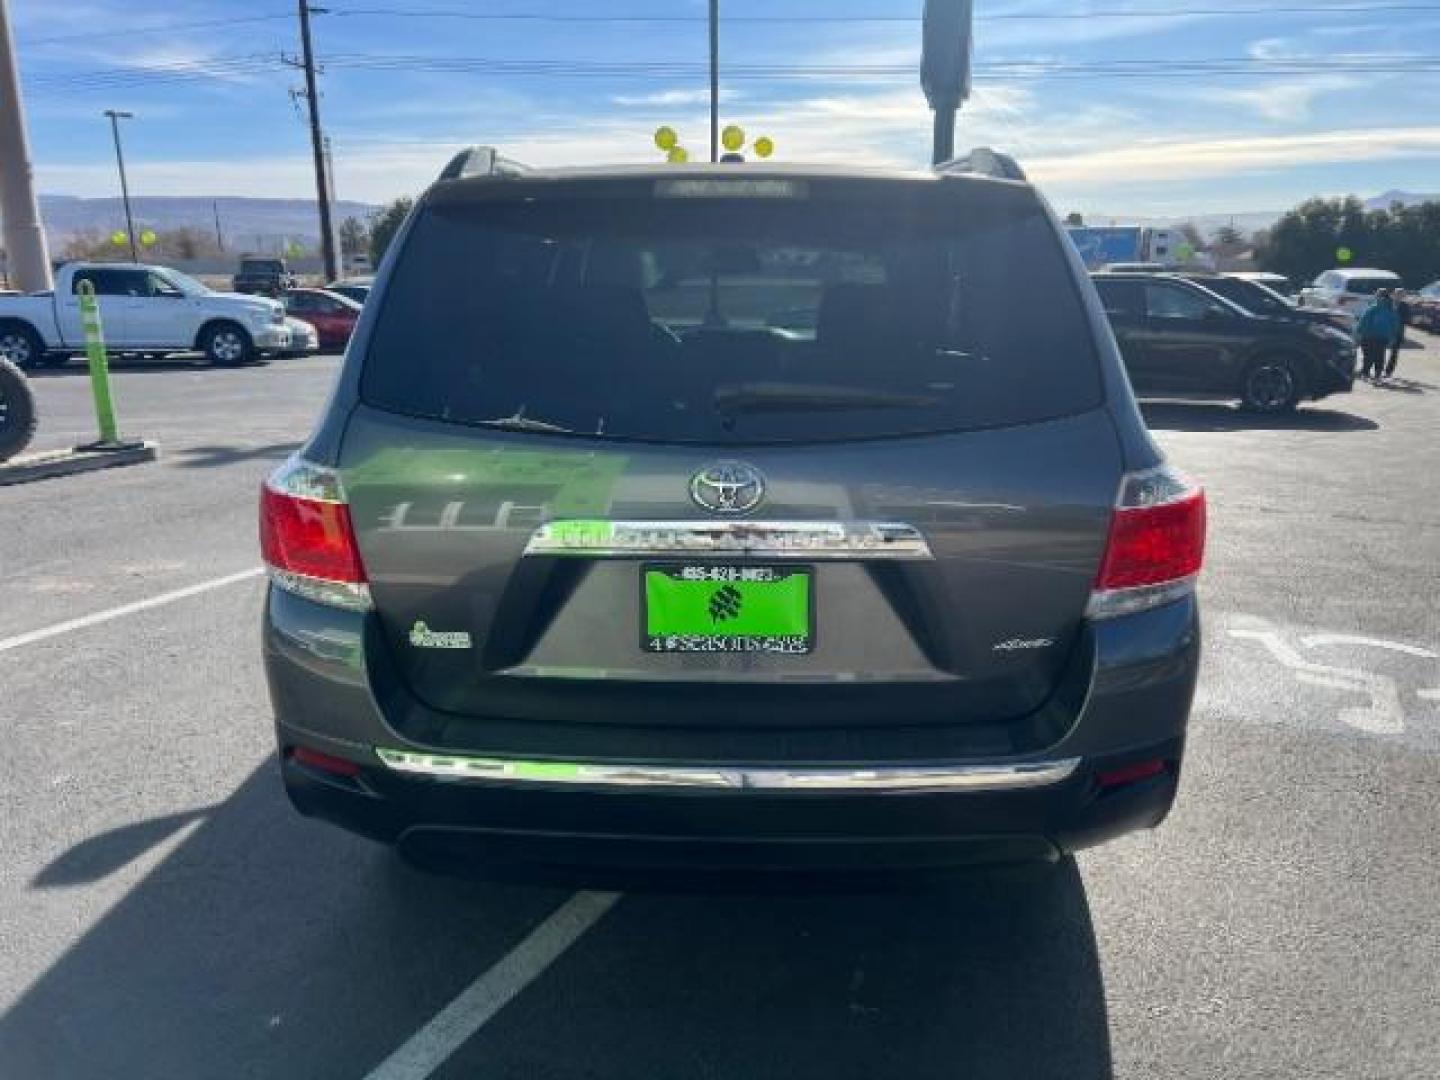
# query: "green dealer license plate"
{"points": [[704, 607]]}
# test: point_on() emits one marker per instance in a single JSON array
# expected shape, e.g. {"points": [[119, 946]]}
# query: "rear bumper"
{"points": [[529, 801], [1333, 378], [524, 829]]}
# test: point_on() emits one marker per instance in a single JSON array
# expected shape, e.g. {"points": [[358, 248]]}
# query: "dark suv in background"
{"points": [[740, 517], [1184, 339], [262, 276]]}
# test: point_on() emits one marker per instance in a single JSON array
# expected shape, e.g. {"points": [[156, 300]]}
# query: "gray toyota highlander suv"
{"points": [[732, 517]]}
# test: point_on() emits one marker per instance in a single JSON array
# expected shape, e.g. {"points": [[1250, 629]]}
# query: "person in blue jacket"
{"points": [[1377, 329]]}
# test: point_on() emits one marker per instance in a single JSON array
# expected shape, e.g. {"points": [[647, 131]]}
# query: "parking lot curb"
{"points": [[23, 470]]}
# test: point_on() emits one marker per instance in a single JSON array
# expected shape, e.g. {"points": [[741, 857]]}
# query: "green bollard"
{"points": [[99, 372]]}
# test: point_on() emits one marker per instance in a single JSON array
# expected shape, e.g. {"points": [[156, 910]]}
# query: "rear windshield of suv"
{"points": [[1250, 295], [909, 308], [261, 266]]}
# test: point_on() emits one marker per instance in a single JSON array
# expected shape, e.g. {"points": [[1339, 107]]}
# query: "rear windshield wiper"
{"points": [[810, 397], [521, 422]]}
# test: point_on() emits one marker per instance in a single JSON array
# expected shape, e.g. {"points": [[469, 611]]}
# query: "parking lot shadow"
{"points": [[170, 364], [207, 457], [271, 947], [1405, 386], [1218, 416], [263, 946], [988, 977], [100, 856]]}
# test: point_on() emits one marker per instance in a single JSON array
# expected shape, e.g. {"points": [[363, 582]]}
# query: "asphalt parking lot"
{"points": [[163, 913]]}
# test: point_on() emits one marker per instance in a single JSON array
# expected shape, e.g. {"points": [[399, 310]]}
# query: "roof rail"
{"points": [[482, 161], [982, 161]]}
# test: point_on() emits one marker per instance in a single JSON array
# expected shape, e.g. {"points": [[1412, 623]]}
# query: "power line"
{"points": [[621, 20], [219, 67], [1014, 68], [1010, 16], [131, 31], [257, 63]]}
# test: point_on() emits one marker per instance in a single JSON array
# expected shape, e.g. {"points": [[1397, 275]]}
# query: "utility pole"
{"points": [[27, 259], [317, 145], [115, 117], [714, 80], [219, 236]]}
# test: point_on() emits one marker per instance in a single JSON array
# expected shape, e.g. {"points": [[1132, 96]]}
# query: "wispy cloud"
{"points": [[201, 60], [1188, 159], [1273, 48], [1280, 100], [1020, 34], [665, 98]]}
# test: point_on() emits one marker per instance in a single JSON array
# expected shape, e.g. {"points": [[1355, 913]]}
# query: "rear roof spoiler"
{"points": [[982, 161], [482, 161]]}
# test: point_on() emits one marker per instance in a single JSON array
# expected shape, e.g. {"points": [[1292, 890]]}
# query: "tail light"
{"points": [[1156, 544], [306, 538], [323, 762], [1130, 774]]}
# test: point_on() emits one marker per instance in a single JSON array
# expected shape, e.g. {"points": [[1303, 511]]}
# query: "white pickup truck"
{"points": [[143, 309]]}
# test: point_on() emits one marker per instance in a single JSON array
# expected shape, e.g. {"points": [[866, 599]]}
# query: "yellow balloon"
{"points": [[732, 138], [764, 146], [147, 238], [678, 155], [117, 237], [665, 138]]}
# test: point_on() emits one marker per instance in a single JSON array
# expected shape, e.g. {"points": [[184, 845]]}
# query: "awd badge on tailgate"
{"points": [[1024, 643], [727, 487], [422, 637]]}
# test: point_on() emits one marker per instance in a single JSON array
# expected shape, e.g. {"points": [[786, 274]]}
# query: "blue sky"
{"points": [[1309, 115]]}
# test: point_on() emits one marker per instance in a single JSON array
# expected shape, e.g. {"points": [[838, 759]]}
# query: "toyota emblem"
{"points": [[727, 487]]}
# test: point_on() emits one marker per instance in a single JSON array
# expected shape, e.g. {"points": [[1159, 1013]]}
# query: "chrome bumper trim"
{"points": [[352, 596], [1006, 777], [768, 539]]}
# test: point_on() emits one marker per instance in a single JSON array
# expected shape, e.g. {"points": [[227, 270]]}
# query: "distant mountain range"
{"points": [[1249, 221], [245, 224], [1404, 198], [271, 224]]}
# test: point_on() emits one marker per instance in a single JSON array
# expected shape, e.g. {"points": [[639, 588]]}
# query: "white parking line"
{"points": [[1316, 640], [428, 1048], [6, 644]]}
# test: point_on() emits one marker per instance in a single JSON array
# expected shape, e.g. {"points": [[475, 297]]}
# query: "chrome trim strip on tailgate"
{"points": [[999, 777], [769, 539]]}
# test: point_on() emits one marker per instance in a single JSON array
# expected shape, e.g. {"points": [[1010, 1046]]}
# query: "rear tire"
{"points": [[21, 346], [17, 411], [226, 345], [1272, 385]]}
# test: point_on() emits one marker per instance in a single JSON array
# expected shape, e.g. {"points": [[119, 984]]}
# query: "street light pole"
{"points": [[116, 116], [714, 80]]}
